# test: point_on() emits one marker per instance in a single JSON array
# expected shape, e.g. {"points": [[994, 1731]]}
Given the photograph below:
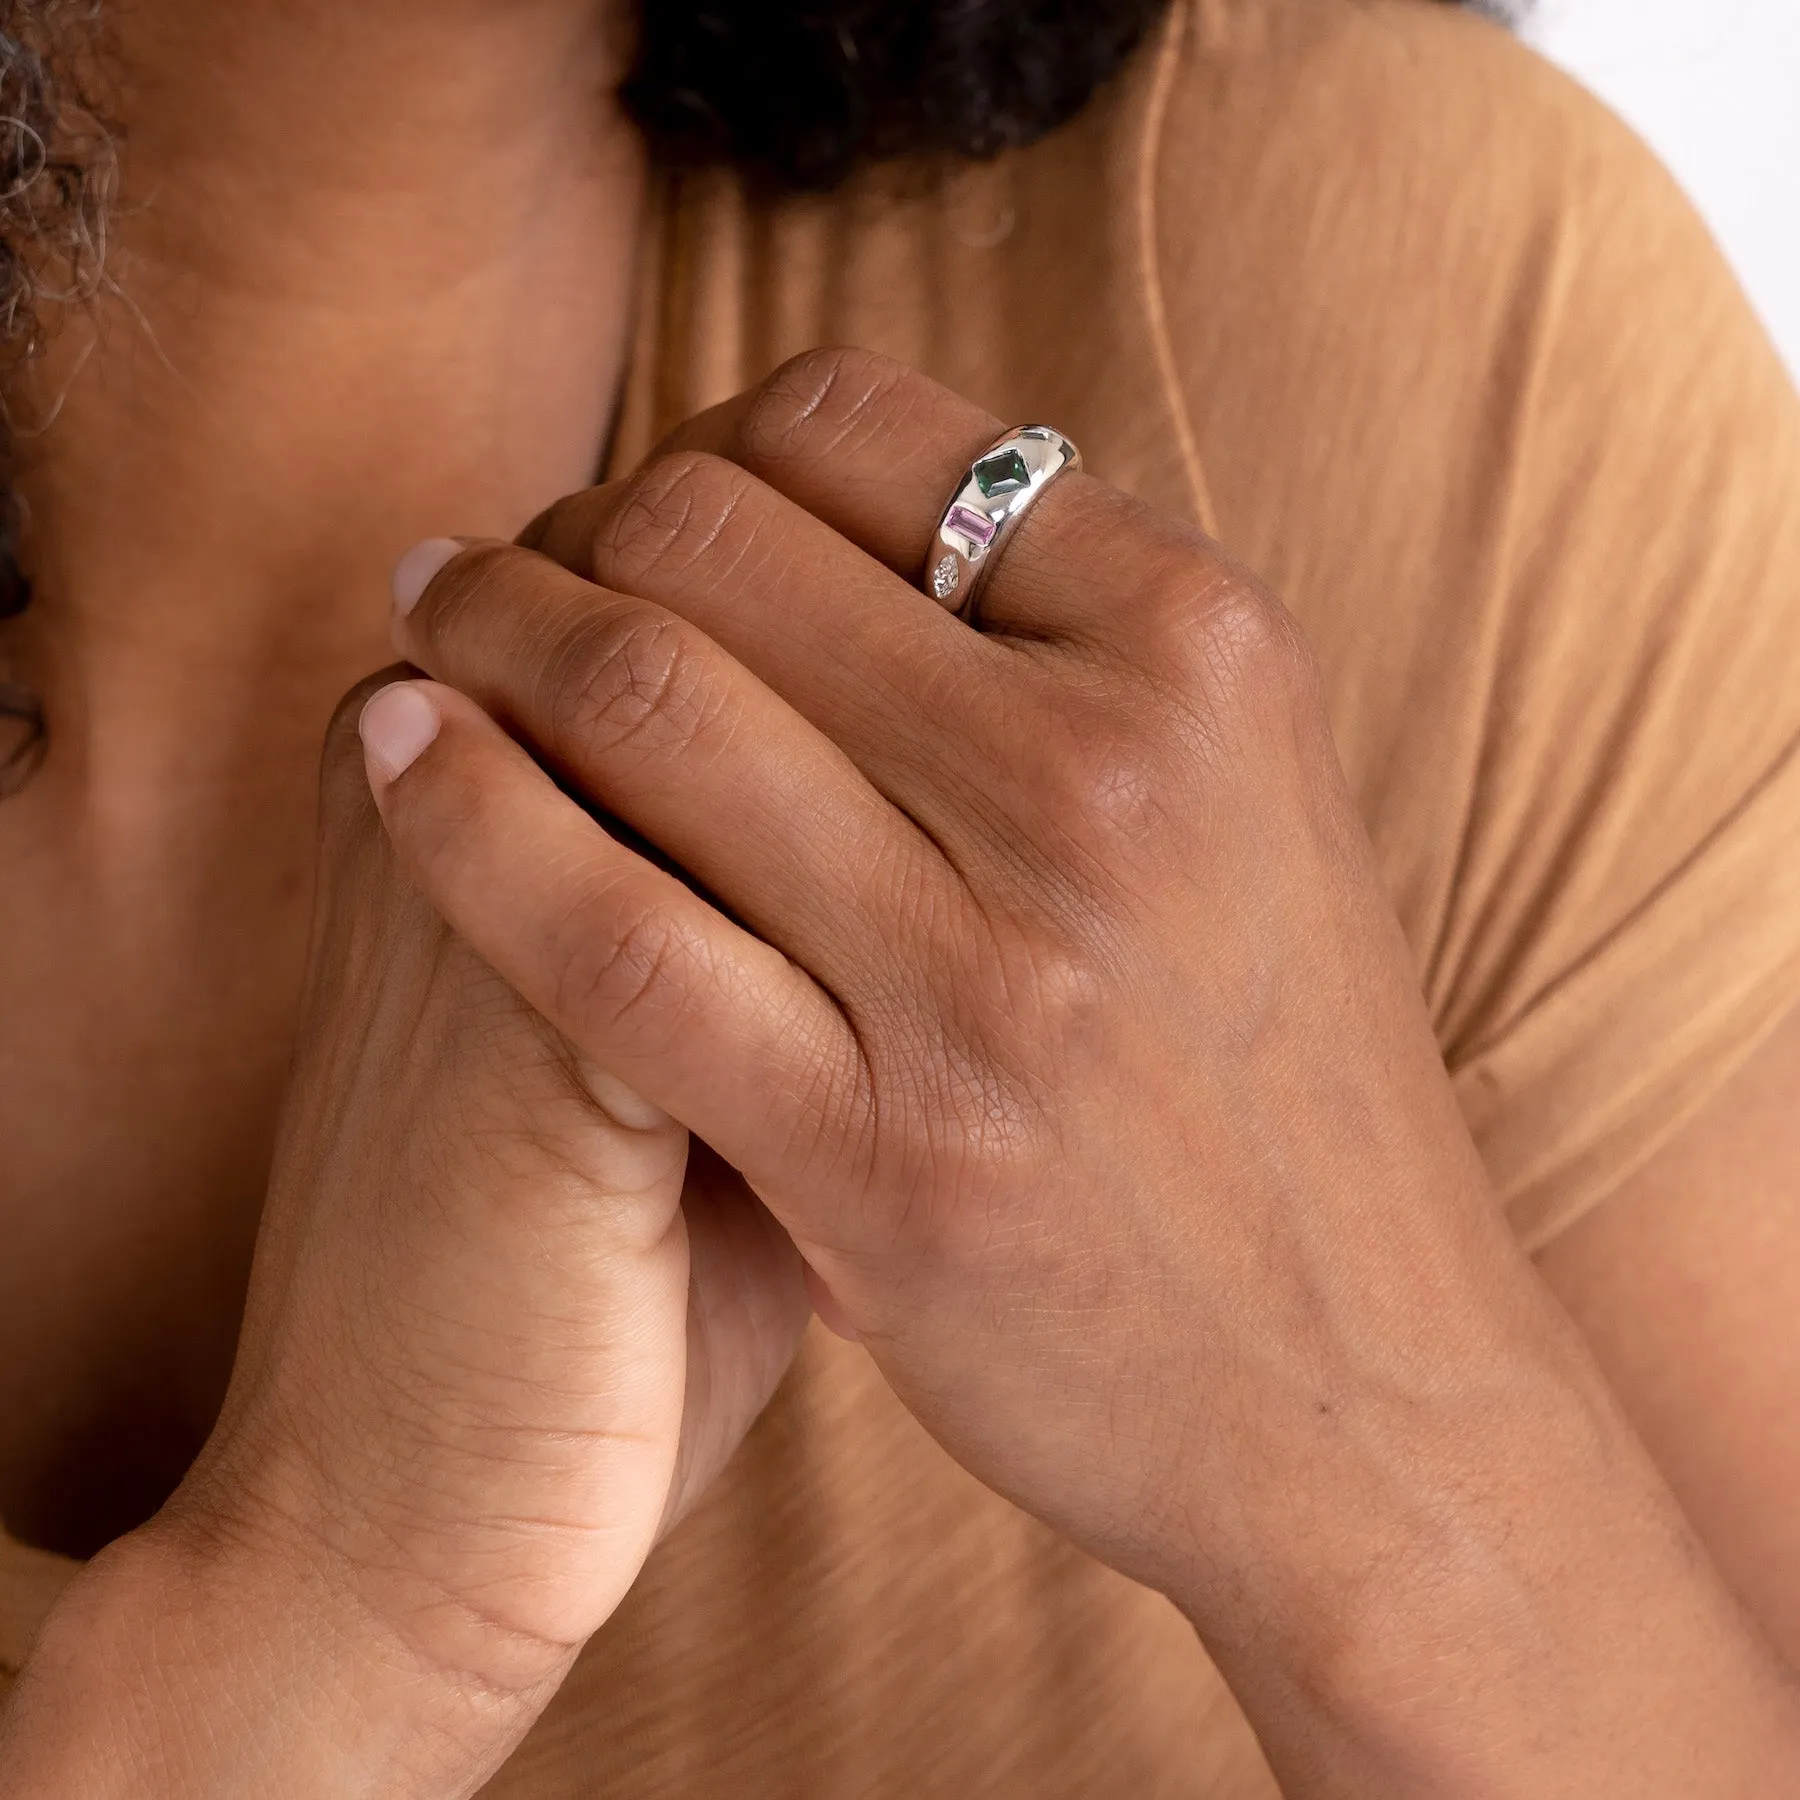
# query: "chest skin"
{"points": [[370, 279], [151, 984]]}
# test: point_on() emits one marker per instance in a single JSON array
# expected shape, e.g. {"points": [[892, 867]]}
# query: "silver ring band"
{"points": [[1001, 486]]}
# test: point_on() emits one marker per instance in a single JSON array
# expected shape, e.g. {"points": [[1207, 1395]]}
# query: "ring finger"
{"points": [[874, 450]]}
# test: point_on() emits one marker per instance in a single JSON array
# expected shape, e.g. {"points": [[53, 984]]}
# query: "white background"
{"points": [[1715, 86]]}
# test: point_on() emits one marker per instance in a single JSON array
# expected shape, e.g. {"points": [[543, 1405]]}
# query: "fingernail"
{"points": [[418, 569], [396, 727]]}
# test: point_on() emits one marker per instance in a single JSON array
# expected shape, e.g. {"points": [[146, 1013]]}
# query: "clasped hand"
{"points": [[1037, 980]]}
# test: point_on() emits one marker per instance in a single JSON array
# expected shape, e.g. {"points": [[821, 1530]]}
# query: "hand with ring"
{"points": [[1039, 981]]}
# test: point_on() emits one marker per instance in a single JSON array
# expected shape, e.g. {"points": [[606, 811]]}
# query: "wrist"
{"points": [[1489, 1592], [1407, 1597], [186, 1661]]}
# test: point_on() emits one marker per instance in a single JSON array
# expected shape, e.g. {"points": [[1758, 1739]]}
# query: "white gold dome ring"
{"points": [[1001, 487]]}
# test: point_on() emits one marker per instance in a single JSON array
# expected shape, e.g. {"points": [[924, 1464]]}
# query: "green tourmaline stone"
{"points": [[1002, 473]]}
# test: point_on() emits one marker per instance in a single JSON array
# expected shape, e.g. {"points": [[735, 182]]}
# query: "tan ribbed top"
{"points": [[1432, 343]]}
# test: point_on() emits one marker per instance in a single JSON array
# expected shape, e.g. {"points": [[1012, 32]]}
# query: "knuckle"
{"points": [[634, 675], [1225, 657], [1102, 780], [682, 512], [1246, 648], [487, 594], [1058, 987], [629, 968], [821, 401]]}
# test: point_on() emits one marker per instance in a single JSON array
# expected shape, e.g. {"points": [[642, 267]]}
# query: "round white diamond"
{"points": [[945, 576]]}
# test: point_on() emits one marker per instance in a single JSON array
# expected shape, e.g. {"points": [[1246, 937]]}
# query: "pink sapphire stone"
{"points": [[978, 528]]}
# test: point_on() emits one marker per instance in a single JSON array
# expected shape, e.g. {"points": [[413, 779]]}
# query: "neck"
{"points": [[371, 279]]}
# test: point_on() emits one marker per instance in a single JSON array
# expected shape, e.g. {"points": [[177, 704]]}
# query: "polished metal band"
{"points": [[1002, 485]]}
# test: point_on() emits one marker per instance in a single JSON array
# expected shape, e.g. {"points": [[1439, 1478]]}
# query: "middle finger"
{"points": [[933, 713]]}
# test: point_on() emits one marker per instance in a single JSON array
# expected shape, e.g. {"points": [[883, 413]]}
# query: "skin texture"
{"points": [[331, 228], [214, 547]]}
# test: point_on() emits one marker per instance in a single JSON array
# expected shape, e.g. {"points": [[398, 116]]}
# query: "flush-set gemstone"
{"points": [[989, 502], [977, 527], [1004, 472]]}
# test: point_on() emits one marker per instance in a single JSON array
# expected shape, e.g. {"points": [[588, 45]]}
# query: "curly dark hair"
{"points": [[796, 92], [803, 91], [55, 179]]}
